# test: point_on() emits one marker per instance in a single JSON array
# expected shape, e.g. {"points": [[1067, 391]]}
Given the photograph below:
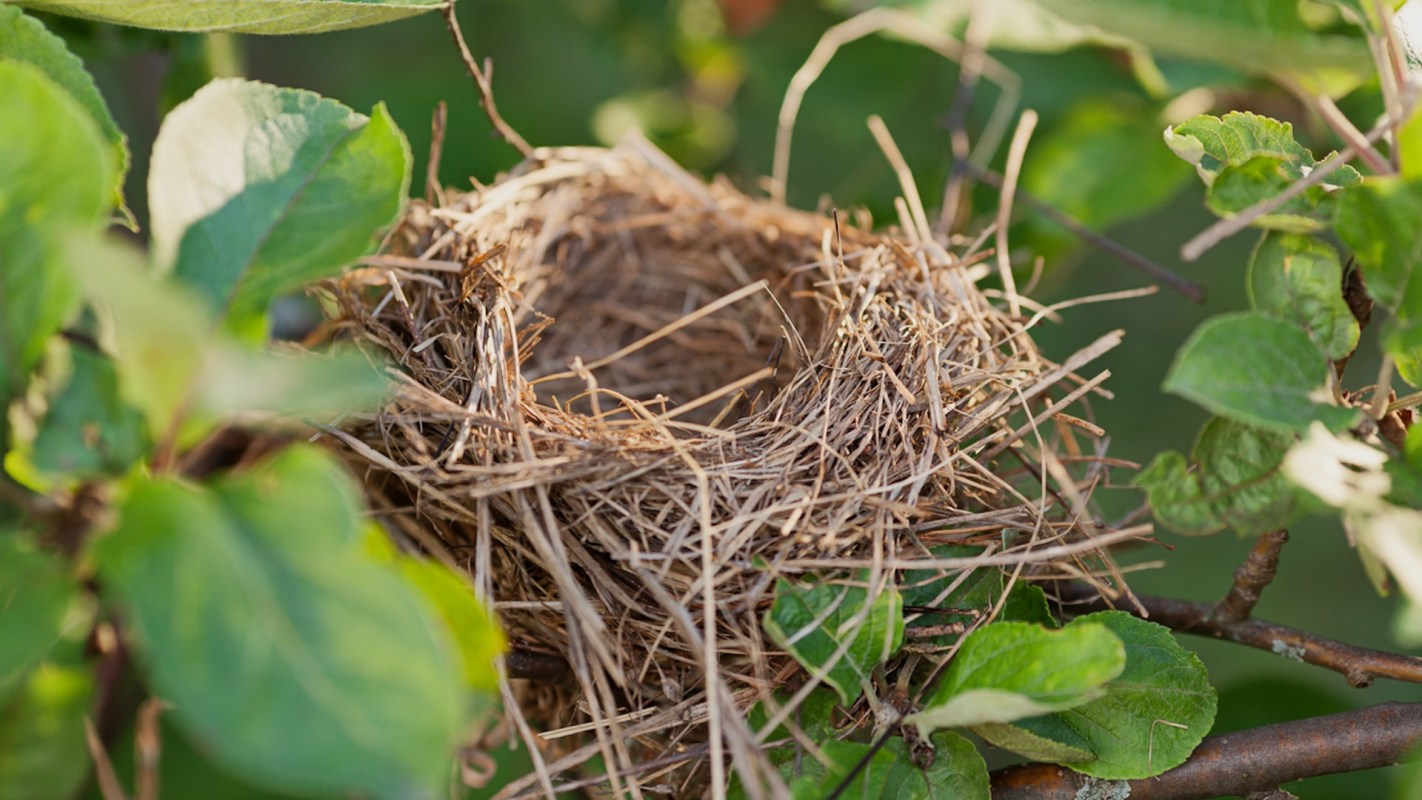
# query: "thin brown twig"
{"points": [[1359, 665], [433, 190], [1120, 252], [1245, 762], [1257, 572], [481, 78], [109, 786]]}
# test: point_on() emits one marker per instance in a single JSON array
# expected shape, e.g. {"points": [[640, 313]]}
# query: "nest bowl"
{"points": [[630, 401]]}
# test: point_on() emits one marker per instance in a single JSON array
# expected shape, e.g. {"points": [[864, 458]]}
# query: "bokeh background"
{"points": [[705, 81]]}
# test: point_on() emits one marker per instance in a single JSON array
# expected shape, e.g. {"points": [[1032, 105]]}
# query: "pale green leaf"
{"points": [[257, 190], [1233, 479], [1010, 670], [1259, 370], [294, 384], [239, 16], [1300, 278], [1255, 35], [35, 593], [835, 631], [1040, 739], [43, 755], [159, 329], [24, 38], [288, 654]]}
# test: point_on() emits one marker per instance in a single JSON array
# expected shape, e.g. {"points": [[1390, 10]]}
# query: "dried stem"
{"points": [[1246, 762], [1359, 665], [875, 20], [1190, 289], [481, 78], [433, 190], [1253, 575]]}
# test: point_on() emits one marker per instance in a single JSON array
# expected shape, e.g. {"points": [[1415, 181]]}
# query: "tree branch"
{"points": [[1246, 762], [1253, 575], [1358, 664], [481, 78]]}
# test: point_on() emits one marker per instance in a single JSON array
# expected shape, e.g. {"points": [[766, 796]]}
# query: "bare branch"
{"points": [[1253, 575], [1246, 762], [1120, 252], [1358, 664], [481, 78]]}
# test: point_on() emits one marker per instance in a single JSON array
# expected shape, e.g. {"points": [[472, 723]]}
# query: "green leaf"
{"points": [[467, 622], [159, 329], [1028, 603], [293, 384], [1259, 370], [1099, 166], [1238, 187], [1300, 278], [1149, 719], [1378, 222], [1212, 143], [814, 622], [1244, 158], [814, 716], [24, 38], [1255, 35], [89, 431], [1010, 670], [1136, 730], [256, 191], [43, 755], [56, 173], [35, 594], [263, 582], [958, 772], [246, 16], [1232, 480]]}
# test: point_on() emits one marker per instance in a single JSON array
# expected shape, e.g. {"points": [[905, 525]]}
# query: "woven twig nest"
{"points": [[635, 400]]}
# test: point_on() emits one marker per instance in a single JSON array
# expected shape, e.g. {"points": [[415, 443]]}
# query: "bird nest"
{"points": [[633, 401]]}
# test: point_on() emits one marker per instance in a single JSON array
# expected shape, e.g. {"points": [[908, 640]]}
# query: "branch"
{"points": [[1358, 664], [1245, 762], [486, 90], [1193, 291], [1253, 575]]}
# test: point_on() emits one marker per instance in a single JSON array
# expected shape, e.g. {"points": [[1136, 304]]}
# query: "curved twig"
{"points": [[486, 89], [1245, 762]]}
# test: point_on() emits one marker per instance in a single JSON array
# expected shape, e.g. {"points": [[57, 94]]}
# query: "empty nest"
{"points": [[631, 401]]}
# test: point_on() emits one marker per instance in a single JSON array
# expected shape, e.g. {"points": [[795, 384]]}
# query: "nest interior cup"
{"points": [[633, 400]]}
